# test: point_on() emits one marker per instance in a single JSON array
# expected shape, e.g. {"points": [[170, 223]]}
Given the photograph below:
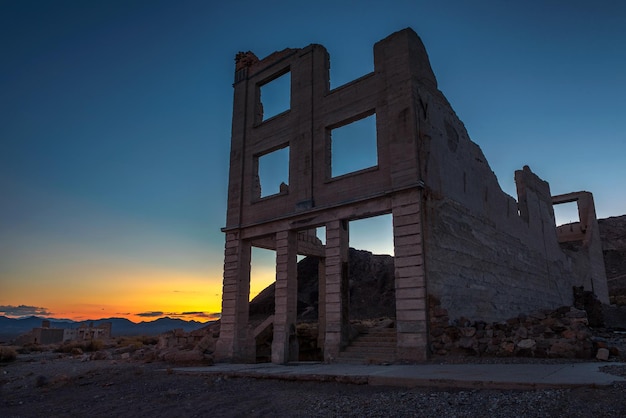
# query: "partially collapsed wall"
{"points": [[457, 236], [488, 256]]}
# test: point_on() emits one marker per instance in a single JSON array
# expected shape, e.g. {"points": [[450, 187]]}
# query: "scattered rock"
{"points": [[603, 354], [41, 381], [101, 355], [468, 331], [189, 357], [527, 344]]}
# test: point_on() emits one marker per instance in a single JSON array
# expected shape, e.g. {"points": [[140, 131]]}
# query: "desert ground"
{"points": [[55, 384]]}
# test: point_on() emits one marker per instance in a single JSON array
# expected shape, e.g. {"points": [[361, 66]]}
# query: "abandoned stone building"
{"points": [[51, 335], [457, 236]]}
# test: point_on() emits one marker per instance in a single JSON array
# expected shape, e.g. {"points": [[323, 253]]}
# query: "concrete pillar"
{"points": [[285, 343], [233, 344], [337, 290], [321, 303], [411, 303]]}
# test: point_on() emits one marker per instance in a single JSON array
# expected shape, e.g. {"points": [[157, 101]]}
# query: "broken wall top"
{"points": [[400, 61], [420, 141]]}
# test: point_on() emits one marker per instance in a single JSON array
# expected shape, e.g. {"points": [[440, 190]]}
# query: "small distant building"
{"points": [[85, 332], [47, 335]]}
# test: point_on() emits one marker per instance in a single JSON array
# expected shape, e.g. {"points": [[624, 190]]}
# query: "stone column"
{"points": [[284, 344], [233, 344], [321, 303], [411, 306], [337, 297]]}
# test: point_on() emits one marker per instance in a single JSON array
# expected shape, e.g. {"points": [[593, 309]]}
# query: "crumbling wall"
{"points": [[582, 243], [487, 256]]}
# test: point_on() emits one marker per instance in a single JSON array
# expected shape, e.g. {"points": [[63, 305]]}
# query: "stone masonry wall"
{"points": [[560, 333]]}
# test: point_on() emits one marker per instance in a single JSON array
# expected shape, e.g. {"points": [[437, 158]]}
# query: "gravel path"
{"points": [[53, 385]]}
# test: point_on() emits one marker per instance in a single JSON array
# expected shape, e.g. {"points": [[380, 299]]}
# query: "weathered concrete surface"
{"points": [[483, 376], [457, 236]]}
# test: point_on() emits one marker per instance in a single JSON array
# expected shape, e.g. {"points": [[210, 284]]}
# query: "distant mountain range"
{"points": [[11, 328]]}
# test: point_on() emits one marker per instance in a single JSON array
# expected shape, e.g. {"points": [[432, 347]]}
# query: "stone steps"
{"points": [[374, 346]]}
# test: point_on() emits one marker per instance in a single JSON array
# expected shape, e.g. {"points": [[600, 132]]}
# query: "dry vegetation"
{"points": [[7, 354]]}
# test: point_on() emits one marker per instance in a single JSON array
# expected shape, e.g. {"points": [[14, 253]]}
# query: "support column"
{"points": [[411, 294], [233, 344], [337, 290], [321, 303], [285, 342]]}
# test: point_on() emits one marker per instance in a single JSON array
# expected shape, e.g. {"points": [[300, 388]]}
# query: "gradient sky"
{"points": [[115, 121]]}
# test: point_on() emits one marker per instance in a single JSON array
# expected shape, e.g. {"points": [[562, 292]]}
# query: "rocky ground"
{"points": [[55, 384]]}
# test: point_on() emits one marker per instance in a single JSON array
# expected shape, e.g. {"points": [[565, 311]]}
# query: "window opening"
{"points": [[373, 234], [273, 173], [275, 96], [566, 213], [353, 146], [320, 232]]}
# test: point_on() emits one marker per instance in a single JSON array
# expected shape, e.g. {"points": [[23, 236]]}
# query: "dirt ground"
{"points": [[60, 385]]}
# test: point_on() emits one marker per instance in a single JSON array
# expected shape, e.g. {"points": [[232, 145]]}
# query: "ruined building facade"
{"points": [[456, 235], [51, 335]]}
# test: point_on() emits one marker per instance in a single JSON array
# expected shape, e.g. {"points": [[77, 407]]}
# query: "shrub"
{"points": [[94, 345], [85, 346], [7, 354], [30, 348], [137, 342]]}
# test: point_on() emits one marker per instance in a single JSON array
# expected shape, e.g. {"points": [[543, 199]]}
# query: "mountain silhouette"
{"points": [[10, 328]]}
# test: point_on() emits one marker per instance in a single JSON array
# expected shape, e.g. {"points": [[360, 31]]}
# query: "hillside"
{"points": [[10, 328], [372, 291]]}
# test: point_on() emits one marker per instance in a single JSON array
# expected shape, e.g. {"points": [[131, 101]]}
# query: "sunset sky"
{"points": [[115, 121]]}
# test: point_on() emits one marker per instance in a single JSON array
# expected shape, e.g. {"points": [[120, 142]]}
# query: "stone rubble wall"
{"points": [[560, 333]]}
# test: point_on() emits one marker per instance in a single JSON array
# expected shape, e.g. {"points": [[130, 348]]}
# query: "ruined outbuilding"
{"points": [[457, 236], [52, 335]]}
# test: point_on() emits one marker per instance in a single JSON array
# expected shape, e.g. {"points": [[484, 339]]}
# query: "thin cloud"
{"points": [[151, 314], [182, 315], [209, 315], [23, 310]]}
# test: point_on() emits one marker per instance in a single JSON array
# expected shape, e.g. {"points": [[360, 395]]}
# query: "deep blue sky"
{"points": [[115, 121]]}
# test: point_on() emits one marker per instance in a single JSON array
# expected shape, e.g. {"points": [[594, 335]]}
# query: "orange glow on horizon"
{"points": [[133, 292]]}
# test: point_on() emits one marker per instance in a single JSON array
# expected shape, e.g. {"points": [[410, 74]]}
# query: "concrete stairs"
{"points": [[372, 346]]}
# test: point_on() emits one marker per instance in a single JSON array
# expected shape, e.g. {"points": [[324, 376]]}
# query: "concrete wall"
{"points": [[489, 257]]}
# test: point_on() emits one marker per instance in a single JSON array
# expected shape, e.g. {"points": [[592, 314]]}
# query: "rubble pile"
{"points": [[194, 347], [562, 333]]}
